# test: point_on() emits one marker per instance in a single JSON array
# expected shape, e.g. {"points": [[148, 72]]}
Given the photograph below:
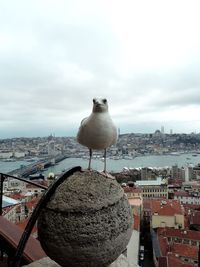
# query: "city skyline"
{"points": [[56, 57]]}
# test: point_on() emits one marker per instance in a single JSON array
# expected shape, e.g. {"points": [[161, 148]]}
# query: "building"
{"points": [[153, 188], [176, 247], [133, 246], [175, 172], [167, 213], [10, 208], [188, 173], [133, 192], [187, 197]]}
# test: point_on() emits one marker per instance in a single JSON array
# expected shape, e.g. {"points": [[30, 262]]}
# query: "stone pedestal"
{"points": [[87, 222]]}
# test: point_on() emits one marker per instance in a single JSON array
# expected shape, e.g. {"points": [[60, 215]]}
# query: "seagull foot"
{"points": [[107, 174], [86, 170]]}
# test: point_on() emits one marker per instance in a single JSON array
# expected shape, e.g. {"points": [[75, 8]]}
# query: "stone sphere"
{"points": [[87, 222]]}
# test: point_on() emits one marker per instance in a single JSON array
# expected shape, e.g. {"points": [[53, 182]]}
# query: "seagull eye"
{"points": [[104, 101]]}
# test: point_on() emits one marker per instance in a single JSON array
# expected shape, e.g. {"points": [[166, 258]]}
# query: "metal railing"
{"points": [[4, 176], [15, 262]]}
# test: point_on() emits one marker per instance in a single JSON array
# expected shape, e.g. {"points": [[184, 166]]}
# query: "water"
{"points": [[112, 165], [6, 167], [118, 165]]}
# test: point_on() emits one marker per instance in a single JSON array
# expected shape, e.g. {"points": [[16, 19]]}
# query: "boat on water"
{"points": [[32, 159], [116, 157], [36, 176], [9, 160], [174, 154], [128, 157]]}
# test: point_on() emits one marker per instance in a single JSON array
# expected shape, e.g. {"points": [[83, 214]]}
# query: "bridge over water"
{"points": [[25, 171]]}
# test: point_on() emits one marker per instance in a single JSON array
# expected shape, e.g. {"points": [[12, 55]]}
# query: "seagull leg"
{"points": [[104, 161], [104, 172], [89, 166]]}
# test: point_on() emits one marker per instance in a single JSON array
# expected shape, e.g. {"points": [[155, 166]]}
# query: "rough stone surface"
{"points": [[121, 261], [47, 262], [87, 222]]}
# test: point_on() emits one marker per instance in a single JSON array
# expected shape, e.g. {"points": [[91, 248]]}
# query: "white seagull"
{"points": [[98, 130]]}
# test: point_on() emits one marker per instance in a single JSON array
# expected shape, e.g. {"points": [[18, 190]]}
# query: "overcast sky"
{"points": [[56, 56]]}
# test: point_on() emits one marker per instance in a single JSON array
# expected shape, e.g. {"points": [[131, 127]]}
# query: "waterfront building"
{"points": [[144, 173], [175, 172], [6, 154], [19, 154], [188, 173]]}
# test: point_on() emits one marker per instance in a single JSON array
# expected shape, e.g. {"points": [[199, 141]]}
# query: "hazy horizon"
{"points": [[74, 134]]}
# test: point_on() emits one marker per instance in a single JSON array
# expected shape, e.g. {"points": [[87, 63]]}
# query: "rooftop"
{"points": [[185, 250], [184, 234], [158, 181], [175, 261], [7, 201], [181, 194], [136, 201], [166, 207]]}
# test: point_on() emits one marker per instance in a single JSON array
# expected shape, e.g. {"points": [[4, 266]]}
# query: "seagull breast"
{"points": [[98, 130]]}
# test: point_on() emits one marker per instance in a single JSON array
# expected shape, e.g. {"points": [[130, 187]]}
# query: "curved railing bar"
{"points": [[4, 176], [41, 204], [23, 180]]}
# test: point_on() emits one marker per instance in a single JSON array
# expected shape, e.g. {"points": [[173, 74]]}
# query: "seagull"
{"points": [[98, 130]]}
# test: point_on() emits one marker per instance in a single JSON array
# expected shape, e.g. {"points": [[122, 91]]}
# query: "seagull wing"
{"points": [[82, 122]]}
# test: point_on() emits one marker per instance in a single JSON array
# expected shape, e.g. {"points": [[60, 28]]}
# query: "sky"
{"points": [[56, 56]]}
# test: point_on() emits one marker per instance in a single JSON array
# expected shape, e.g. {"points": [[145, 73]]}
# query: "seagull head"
{"points": [[100, 105]]}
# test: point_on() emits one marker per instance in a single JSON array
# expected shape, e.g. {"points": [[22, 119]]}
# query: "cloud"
{"points": [[56, 56]]}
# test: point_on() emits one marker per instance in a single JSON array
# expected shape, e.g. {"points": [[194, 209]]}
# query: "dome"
{"points": [[51, 175]]}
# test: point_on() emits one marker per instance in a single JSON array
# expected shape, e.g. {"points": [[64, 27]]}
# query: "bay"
{"points": [[118, 165], [7, 166], [112, 165]]}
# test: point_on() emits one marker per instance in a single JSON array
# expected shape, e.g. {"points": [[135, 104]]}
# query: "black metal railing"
{"points": [[15, 261], [4, 176]]}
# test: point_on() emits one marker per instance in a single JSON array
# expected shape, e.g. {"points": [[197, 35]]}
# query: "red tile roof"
{"points": [[174, 251], [146, 204], [32, 203], [195, 217], [173, 261], [129, 189], [166, 207], [162, 262], [185, 250], [191, 206], [183, 234], [16, 196]]}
